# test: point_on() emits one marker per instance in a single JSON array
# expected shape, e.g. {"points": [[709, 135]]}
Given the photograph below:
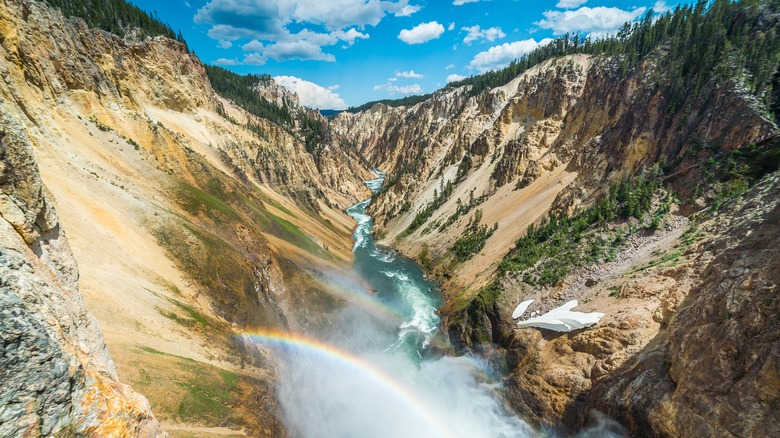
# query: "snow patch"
{"points": [[560, 319]]}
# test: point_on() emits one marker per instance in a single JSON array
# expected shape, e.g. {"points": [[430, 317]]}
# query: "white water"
{"points": [[390, 386]]}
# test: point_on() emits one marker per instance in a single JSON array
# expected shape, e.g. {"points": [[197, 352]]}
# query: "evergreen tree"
{"points": [[116, 16]]}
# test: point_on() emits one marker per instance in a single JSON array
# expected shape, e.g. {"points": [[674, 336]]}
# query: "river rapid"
{"points": [[372, 377]]}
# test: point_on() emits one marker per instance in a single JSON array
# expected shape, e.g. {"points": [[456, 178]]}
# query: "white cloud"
{"points": [[311, 94], [449, 67], [463, 2], [223, 32], [455, 77], [502, 55], [254, 59], [395, 89], [599, 20], [451, 26], [570, 4], [421, 33], [408, 74], [660, 7], [268, 21], [306, 45], [225, 61], [349, 36], [302, 50], [253, 46], [475, 33], [403, 9], [272, 16], [333, 87]]}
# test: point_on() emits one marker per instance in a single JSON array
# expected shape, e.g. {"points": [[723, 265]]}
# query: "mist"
{"points": [[324, 394], [369, 375]]}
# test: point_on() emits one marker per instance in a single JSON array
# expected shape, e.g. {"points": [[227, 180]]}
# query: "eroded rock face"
{"points": [[569, 127], [53, 60], [713, 370], [684, 350], [56, 376]]}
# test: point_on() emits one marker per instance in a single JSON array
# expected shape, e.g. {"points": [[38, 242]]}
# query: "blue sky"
{"points": [[338, 53]]}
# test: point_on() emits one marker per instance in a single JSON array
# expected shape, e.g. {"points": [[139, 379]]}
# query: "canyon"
{"points": [[153, 231]]}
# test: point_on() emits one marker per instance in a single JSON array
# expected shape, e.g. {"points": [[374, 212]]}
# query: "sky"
{"points": [[340, 53]]}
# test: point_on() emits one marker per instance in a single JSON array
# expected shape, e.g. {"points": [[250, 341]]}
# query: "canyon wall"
{"points": [[192, 222], [554, 140]]}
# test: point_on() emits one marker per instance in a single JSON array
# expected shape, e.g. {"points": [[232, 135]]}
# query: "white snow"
{"points": [[560, 319], [521, 308]]}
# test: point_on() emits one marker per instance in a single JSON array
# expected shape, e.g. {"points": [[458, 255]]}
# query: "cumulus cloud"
{"points": [[403, 9], [502, 55], [449, 67], [475, 33], [307, 47], [272, 16], [268, 21], [301, 50], [599, 20], [395, 89], [463, 2], [451, 26], [408, 74], [254, 59], [311, 94], [455, 77], [253, 46], [421, 33], [570, 4], [225, 61]]}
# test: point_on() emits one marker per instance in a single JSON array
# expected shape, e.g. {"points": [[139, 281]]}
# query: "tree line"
{"points": [[116, 16], [729, 39], [242, 90], [404, 101]]}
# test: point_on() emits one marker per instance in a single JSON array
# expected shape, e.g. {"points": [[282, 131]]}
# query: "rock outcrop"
{"points": [[57, 377], [712, 369], [553, 140], [193, 221]]}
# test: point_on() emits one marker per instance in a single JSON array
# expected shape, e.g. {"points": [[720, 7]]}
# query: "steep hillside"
{"points": [[564, 128], [578, 179], [58, 377], [191, 219]]}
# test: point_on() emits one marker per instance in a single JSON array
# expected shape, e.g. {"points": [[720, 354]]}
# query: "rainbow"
{"points": [[298, 341], [357, 295]]}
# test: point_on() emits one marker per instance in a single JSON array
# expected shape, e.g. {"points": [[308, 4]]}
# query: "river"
{"points": [[371, 377]]}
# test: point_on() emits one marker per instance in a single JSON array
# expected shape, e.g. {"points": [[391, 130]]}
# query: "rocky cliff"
{"points": [[551, 138], [192, 222], [573, 137], [57, 376]]}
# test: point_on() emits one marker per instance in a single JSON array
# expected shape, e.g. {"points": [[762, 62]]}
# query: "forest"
{"points": [[730, 40], [241, 89], [116, 16]]}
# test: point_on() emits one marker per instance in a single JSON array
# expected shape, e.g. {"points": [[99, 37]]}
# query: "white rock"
{"points": [[562, 319], [521, 308]]}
